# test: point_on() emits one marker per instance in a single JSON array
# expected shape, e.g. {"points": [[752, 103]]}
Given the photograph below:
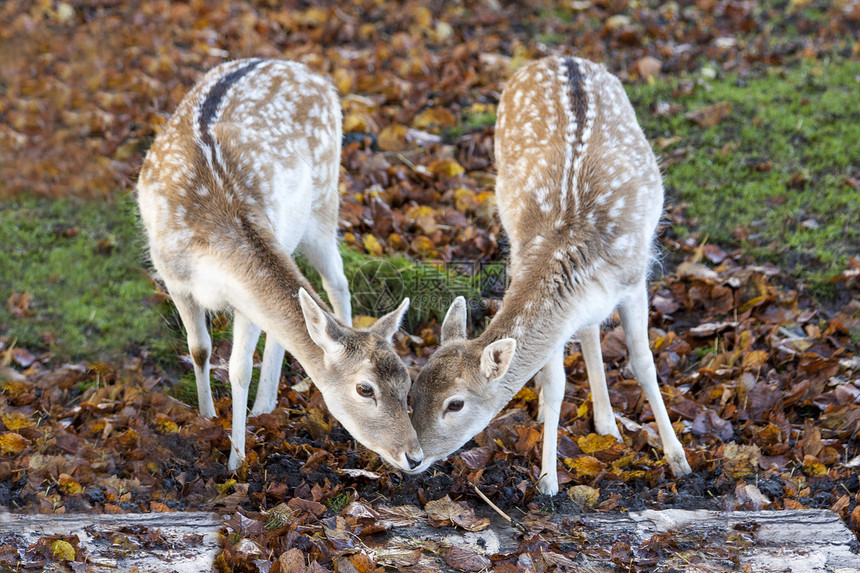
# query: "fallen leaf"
{"points": [[13, 443], [443, 511], [371, 243], [434, 119], [393, 138], [465, 559], [740, 460], [62, 550], [596, 443], [585, 466], [711, 115], [584, 496]]}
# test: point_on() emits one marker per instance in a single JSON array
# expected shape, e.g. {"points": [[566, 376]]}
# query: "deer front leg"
{"points": [[270, 376], [552, 383], [200, 346], [604, 419], [634, 319], [245, 335]]}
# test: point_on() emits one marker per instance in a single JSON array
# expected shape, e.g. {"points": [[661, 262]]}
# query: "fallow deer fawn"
{"points": [[580, 196], [244, 173]]}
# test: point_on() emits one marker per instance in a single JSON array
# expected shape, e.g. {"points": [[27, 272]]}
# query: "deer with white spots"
{"points": [[244, 173], [580, 196]]}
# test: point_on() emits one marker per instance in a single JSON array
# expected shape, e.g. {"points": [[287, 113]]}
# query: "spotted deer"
{"points": [[580, 196], [244, 173]]}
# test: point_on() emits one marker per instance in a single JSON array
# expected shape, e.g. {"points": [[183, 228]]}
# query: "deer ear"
{"points": [[323, 329], [387, 325], [454, 325], [496, 358]]}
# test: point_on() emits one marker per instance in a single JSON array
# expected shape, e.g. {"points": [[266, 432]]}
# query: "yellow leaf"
{"points": [[433, 119], [446, 167], [582, 411], [396, 242], [422, 245], [165, 425], [526, 394], [465, 199], [371, 243], [344, 80], [754, 359], [223, 488], [13, 443], [69, 486], [585, 466], [623, 461], [360, 122], [422, 17], [14, 388], [753, 302], [812, 467], [595, 443], [63, 550], [584, 496], [16, 420], [393, 138]]}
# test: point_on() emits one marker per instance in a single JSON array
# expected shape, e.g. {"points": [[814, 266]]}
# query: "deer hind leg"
{"points": [[322, 253], [200, 346], [634, 320], [245, 335], [604, 418], [552, 382], [270, 376]]}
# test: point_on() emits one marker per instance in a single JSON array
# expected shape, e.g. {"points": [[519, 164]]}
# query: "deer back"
{"points": [[575, 172], [255, 140]]}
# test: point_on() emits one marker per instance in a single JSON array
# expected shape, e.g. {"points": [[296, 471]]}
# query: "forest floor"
{"points": [[755, 322]]}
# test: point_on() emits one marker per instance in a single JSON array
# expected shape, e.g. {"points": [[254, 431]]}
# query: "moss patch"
{"points": [[778, 175], [80, 263]]}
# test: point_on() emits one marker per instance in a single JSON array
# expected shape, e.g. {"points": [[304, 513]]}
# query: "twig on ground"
{"points": [[511, 520]]}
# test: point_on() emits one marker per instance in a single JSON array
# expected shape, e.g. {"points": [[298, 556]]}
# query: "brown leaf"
{"points": [[292, 561], [443, 511], [647, 67], [711, 115], [465, 559], [313, 507], [477, 458], [740, 460], [393, 138], [19, 305], [433, 119]]}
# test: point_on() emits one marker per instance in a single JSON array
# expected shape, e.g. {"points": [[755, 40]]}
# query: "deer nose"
{"points": [[413, 463]]}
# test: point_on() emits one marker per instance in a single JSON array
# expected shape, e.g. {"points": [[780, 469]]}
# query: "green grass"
{"points": [[81, 265], [800, 213], [378, 285]]}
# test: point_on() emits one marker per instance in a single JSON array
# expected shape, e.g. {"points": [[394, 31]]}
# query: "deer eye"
{"points": [[364, 390], [454, 406]]}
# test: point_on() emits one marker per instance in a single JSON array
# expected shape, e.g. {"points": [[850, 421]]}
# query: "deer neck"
{"points": [[268, 283], [547, 302]]}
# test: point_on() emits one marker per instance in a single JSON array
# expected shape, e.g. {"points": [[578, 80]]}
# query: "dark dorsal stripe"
{"points": [[578, 99], [213, 102]]}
